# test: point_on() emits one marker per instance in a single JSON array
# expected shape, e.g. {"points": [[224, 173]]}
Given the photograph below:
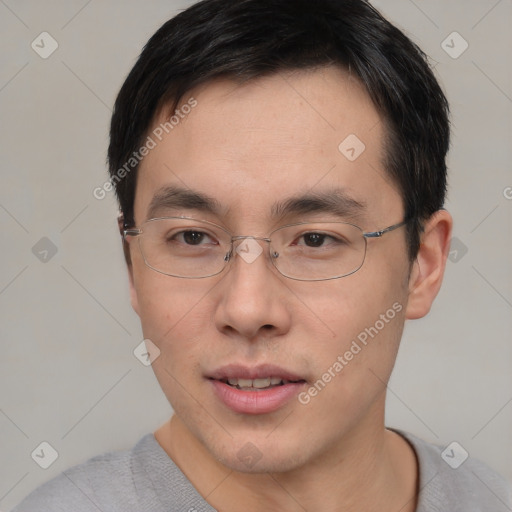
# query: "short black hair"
{"points": [[247, 39]]}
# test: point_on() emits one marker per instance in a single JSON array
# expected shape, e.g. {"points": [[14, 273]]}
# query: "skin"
{"points": [[249, 146]]}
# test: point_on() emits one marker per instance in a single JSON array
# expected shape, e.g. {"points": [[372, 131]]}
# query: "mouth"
{"points": [[258, 384], [255, 390]]}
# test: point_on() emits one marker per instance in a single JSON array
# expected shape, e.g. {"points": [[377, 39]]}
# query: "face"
{"points": [[330, 344]]}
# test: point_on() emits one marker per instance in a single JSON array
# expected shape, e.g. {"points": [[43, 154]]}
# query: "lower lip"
{"points": [[256, 402]]}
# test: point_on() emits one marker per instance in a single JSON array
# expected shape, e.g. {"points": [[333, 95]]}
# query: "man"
{"points": [[280, 167]]}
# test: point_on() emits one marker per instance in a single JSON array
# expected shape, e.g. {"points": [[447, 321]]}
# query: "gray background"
{"points": [[68, 375]]}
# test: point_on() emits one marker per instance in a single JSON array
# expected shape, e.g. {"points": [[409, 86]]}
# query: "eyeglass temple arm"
{"points": [[378, 234], [131, 232], [124, 228]]}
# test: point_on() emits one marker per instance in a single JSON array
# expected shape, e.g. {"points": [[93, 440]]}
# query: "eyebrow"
{"points": [[172, 197], [336, 202]]}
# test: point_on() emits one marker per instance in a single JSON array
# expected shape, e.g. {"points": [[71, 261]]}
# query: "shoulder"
{"points": [[105, 482], [451, 480]]}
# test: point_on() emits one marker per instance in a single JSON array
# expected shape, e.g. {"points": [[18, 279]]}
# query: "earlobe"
{"points": [[428, 269]]}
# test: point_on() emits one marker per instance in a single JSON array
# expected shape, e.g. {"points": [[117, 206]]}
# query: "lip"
{"points": [[238, 371], [254, 402]]}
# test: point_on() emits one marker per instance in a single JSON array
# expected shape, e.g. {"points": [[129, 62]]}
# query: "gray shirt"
{"points": [[145, 478]]}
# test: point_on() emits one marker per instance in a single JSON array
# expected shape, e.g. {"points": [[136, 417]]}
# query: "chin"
{"points": [[254, 454]]}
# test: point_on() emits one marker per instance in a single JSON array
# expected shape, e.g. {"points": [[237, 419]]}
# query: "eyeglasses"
{"points": [[309, 251]]}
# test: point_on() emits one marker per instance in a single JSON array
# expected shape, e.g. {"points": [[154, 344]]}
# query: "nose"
{"points": [[252, 299]]}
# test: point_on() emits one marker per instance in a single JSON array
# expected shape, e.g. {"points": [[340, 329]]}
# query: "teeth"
{"points": [[261, 383], [256, 383]]}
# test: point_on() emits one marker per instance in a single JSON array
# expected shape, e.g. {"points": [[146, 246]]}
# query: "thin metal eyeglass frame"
{"points": [[234, 238]]}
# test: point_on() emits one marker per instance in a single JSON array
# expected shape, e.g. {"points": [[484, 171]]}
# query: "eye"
{"points": [[192, 237], [314, 239], [317, 240]]}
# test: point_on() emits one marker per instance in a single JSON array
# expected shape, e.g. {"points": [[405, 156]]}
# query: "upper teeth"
{"points": [[256, 383]]}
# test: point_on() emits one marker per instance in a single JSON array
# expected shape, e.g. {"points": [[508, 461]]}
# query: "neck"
{"points": [[372, 470]]}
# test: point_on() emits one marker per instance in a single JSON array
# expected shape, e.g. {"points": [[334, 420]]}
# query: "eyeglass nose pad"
{"points": [[229, 255]]}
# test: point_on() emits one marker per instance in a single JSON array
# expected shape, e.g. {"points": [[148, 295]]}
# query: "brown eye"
{"points": [[193, 237], [314, 239]]}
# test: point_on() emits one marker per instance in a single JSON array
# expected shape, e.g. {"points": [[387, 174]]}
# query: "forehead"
{"points": [[251, 145]]}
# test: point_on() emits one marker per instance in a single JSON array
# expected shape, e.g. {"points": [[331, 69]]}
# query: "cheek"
{"points": [[362, 316], [174, 312], [353, 366], [174, 316], [341, 309]]}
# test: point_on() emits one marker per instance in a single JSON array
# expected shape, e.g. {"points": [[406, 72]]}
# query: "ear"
{"points": [[133, 291], [127, 256], [428, 269]]}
